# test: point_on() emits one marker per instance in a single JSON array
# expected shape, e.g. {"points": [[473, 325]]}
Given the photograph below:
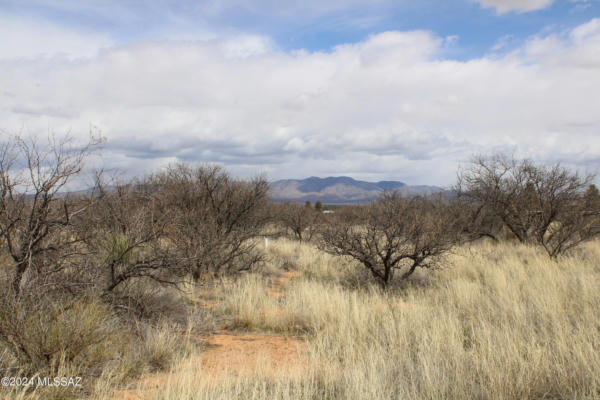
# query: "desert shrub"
{"points": [[215, 218], [539, 204], [161, 344], [129, 239], [143, 299], [117, 248], [34, 216], [394, 234], [91, 282], [43, 335], [302, 221]]}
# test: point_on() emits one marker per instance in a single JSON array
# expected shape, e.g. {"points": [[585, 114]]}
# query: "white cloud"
{"points": [[389, 107], [503, 42], [35, 38], [589, 30], [504, 6]]}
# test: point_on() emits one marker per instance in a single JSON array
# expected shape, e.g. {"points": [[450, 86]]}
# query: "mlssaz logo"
{"points": [[59, 381]]}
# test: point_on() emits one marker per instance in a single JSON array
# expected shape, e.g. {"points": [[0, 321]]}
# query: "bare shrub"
{"points": [[394, 234], [215, 218], [591, 200], [130, 224], [301, 220], [34, 214], [477, 221], [349, 213], [539, 204]]}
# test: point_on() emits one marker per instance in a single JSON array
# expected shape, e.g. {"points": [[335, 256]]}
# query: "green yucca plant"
{"points": [[116, 248]]}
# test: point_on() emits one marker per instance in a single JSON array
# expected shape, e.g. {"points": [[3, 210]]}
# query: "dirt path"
{"points": [[279, 283], [227, 353], [248, 353]]}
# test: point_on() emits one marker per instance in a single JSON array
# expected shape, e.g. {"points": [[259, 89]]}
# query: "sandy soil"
{"points": [[279, 283], [226, 354], [238, 354]]}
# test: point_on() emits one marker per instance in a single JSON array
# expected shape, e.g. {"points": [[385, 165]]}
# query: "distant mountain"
{"points": [[340, 190]]}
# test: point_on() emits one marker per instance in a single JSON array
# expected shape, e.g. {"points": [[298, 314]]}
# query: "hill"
{"points": [[340, 189]]}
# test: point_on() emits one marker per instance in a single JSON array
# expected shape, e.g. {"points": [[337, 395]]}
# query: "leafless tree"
{"points": [[350, 213], [303, 221], [394, 234], [476, 221], [539, 204], [131, 225], [34, 214], [215, 217], [591, 200]]}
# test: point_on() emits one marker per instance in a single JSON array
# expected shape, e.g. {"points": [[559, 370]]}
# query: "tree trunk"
{"points": [[20, 271], [410, 270]]}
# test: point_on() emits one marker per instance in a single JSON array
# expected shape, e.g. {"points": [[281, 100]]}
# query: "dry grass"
{"points": [[500, 322]]}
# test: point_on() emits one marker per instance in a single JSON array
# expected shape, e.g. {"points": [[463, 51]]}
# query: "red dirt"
{"points": [[279, 283], [242, 355], [245, 354]]}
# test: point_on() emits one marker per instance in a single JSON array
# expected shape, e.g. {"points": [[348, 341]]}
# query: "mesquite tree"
{"points": [[395, 234], [215, 217], [130, 222], [34, 214], [301, 220], [539, 204]]}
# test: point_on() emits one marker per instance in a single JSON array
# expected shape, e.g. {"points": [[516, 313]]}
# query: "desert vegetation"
{"points": [[395, 233], [141, 281], [543, 205], [502, 321]]}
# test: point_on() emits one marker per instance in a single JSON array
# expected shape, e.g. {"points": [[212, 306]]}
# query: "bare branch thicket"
{"points": [[130, 225], [301, 220], [591, 200], [349, 213], [477, 221], [34, 214], [539, 204], [216, 218], [395, 234]]}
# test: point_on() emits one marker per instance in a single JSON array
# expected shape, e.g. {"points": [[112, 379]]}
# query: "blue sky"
{"points": [[374, 89], [311, 25]]}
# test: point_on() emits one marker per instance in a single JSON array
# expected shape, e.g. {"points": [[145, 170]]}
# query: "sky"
{"points": [[372, 89]]}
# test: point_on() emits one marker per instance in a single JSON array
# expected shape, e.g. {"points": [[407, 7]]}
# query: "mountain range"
{"points": [[340, 190]]}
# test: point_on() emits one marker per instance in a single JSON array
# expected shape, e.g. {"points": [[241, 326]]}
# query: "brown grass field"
{"points": [[496, 322]]}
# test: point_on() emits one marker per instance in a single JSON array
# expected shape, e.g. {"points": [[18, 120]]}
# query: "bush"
{"points": [[302, 221], [117, 249], [34, 217], [43, 336], [394, 234], [214, 218], [539, 204]]}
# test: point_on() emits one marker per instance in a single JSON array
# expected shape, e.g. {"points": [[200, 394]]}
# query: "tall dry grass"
{"points": [[498, 322], [83, 338]]}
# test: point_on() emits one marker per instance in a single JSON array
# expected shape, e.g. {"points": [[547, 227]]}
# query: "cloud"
{"points": [[31, 38], [388, 107], [504, 6], [589, 30]]}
